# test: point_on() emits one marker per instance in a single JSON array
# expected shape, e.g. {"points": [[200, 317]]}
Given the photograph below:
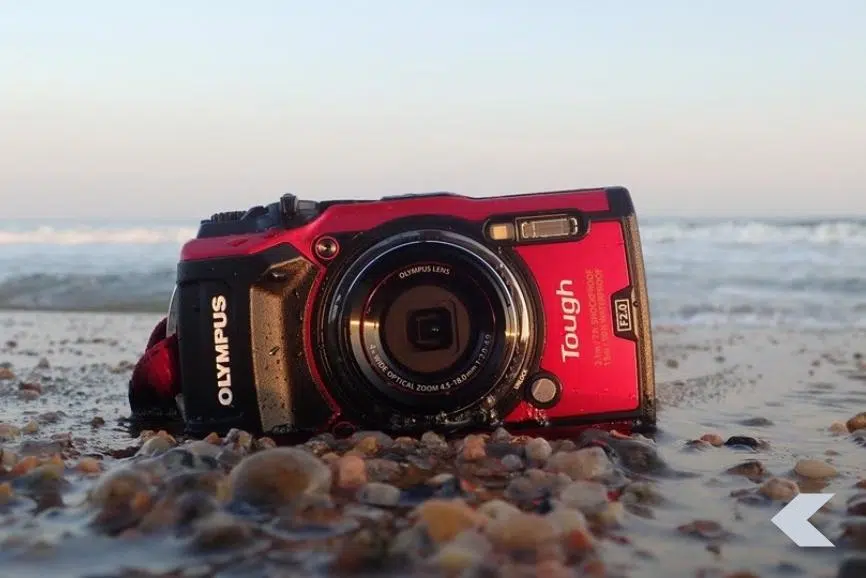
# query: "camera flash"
{"points": [[553, 227], [500, 231]]}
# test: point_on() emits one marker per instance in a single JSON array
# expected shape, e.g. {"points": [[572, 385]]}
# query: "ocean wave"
{"points": [[758, 232], [134, 292], [51, 235]]}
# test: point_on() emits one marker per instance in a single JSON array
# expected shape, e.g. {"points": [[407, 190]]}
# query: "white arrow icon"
{"points": [[793, 520]]}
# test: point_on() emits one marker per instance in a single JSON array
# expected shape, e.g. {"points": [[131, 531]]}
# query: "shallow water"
{"points": [[784, 389]]}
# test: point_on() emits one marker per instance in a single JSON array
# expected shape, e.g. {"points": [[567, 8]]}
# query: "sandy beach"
{"points": [[748, 419]]}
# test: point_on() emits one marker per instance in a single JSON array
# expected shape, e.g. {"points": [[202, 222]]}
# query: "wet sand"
{"points": [[83, 495]]}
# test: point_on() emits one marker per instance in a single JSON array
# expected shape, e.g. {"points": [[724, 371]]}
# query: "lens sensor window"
{"points": [[432, 329]]}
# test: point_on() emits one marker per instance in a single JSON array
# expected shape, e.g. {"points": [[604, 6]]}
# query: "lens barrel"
{"points": [[430, 321]]}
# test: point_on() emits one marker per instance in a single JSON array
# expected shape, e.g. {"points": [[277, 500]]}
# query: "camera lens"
{"points": [[431, 320]]}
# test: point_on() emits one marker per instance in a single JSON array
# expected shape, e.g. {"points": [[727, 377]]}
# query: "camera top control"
{"points": [[288, 212], [293, 209]]}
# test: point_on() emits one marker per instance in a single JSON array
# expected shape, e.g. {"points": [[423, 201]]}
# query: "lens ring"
{"points": [[507, 351]]}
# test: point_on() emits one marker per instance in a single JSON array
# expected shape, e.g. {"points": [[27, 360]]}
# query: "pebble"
{"points": [[382, 470], [583, 464], [238, 441], [473, 448], [642, 493], [445, 519], [351, 472], [28, 394], [156, 445], [89, 466], [752, 469], [521, 532], [372, 439], [9, 432], [815, 469], [713, 439], [497, 509], [588, 497], [746, 441], [500, 435], [220, 532], [433, 440], [538, 450], [455, 559], [779, 489], [279, 477], [379, 494], [567, 520], [857, 422], [838, 427], [512, 463], [6, 493]]}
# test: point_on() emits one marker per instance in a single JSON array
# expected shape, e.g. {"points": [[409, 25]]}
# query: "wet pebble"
{"points": [[756, 422], [538, 450], [815, 469], [379, 494], [713, 439], [752, 469], [857, 505], [497, 509], [512, 463], [443, 520], [473, 448], [838, 427], [433, 441], [454, 559], [584, 464], [779, 489], [238, 441], [6, 493], [857, 422], [9, 432], [588, 497], [744, 441], [371, 442], [382, 470], [89, 466], [279, 477], [156, 445], [500, 435], [351, 472], [704, 529], [220, 532], [525, 534]]}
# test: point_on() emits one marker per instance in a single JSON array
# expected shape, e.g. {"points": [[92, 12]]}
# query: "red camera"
{"points": [[406, 314]]}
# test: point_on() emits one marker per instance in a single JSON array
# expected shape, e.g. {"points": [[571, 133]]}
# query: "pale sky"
{"points": [[182, 108]]}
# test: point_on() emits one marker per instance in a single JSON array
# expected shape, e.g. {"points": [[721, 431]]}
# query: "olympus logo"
{"points": [[221, 349], [570, 308]]}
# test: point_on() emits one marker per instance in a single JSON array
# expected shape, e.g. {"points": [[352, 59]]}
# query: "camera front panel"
{"points": [[240, 343]]}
